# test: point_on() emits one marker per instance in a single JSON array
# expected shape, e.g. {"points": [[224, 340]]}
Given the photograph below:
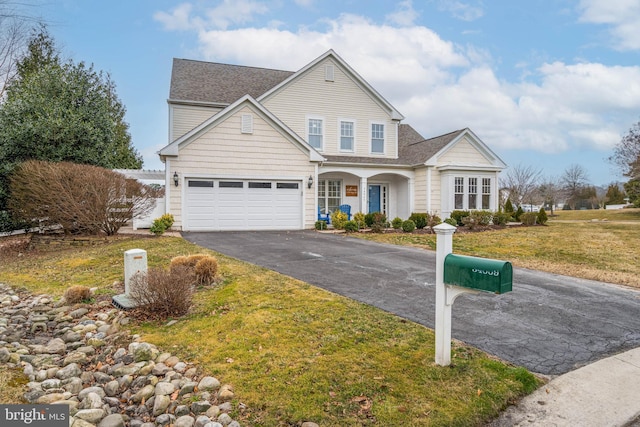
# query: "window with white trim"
{"points": [[486, 193], [473, 193], [347, 135], [459, 193], [377, 138], [314, 133], [329, 194]]}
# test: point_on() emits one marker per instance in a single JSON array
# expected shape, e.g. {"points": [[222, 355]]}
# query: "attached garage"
{"points": [[229, 204]]}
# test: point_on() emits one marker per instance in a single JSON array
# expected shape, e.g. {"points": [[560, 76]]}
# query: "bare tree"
{"points": [[626, 154], [15, 26], [521, 183], [574, 179], [551, 192]]}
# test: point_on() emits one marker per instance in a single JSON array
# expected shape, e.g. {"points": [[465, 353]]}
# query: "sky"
{"points": [[544, 83]]}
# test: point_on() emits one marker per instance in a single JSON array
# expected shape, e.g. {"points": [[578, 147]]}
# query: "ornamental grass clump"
{"points": [[76, 294], [206, 270]]}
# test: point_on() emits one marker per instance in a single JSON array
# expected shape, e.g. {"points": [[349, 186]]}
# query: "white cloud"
{"points": [[462, 10], [224, 15], [440, 86], [178, 19], [622, 16], [231, 12], [404, 16]]}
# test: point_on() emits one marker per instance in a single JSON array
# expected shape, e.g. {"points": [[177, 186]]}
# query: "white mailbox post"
{"points": [[445, 295]]}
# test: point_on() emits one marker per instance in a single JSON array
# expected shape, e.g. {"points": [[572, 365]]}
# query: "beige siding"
{"points": [[311, 95], [224, 150], [420, 191], [463, 153], [186, 117], [436, 193]]}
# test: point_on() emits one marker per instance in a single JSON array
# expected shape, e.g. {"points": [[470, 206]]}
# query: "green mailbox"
{"points": [[478, 273]]}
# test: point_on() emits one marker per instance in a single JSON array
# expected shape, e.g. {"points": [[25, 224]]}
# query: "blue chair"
{"points": [[324, 217], [346, 209]]}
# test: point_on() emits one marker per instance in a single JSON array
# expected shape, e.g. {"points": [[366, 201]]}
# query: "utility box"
{"points": [[484, 274], [135, 260]]}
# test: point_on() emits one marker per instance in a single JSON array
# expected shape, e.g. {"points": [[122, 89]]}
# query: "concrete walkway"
{"points": [[604, 393]]}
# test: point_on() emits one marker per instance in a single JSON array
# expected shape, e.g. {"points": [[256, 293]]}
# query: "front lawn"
{"points": [[294, 352]]}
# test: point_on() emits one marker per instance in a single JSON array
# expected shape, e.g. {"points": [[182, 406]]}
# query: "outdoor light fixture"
{"points": [[175, 179], [310, 181]]}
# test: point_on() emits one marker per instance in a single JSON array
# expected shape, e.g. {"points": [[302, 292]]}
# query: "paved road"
{"points": [[550, 324]]}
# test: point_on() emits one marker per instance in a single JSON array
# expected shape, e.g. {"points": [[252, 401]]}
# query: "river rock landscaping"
{"points": [[80, 355]]}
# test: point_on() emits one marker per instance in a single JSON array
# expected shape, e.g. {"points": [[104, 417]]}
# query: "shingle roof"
{"points": [[220, 83], [413, 149]]}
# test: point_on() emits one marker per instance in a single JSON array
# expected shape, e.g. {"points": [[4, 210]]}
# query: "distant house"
{"points": [[259, 149]]}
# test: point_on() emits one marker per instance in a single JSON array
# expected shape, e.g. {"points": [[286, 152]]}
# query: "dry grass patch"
{"points": [[598, 214], [604, 251]]}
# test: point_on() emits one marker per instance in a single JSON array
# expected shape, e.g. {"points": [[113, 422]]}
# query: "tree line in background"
{"points": [[526, 186], [53, 109]]}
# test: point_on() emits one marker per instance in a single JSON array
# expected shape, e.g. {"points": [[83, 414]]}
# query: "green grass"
{"points": [[598, 250], [297, 353], [598, 214]]}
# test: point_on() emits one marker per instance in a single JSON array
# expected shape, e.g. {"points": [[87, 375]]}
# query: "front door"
{"points": [[374, 198]]}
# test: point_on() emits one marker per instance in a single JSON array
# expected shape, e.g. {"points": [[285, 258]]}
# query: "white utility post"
{"points": [[135, 261], [445, 294]]}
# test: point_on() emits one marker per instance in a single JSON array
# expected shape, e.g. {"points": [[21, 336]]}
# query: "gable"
{"points": [[331, 69], [229, 124], [466, 150]]}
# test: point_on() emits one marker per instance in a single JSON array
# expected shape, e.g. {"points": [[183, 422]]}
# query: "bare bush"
{"points": [[161, 293], [81, 198]]}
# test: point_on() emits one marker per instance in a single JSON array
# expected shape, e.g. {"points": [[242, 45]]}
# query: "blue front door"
{"points": [[374, 198]]}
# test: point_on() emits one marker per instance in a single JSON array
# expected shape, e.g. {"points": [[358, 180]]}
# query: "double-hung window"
{"points": [[486, 193], [315, 133], [473, 193], [459, 193], [329, 194], [377, 138], [347, 135]]}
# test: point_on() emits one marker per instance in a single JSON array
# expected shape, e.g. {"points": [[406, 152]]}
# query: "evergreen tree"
{"points": [[61, 112]]}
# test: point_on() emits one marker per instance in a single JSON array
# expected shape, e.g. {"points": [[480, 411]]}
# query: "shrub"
{"points": [[451, 221], [408, 226], [396, 223], [192, 260], [368, 219], [359, 218], [501, 218], [81, 198], [458, 215], [476, 218], [76, 294], [321, 225], [206, 270], [9, 223], [518, 214], [542, 217], [419, 219], [529, 218], [162, 224], [508, 207], [351, 226], [161, 294], [433, 221], [338, 219]]}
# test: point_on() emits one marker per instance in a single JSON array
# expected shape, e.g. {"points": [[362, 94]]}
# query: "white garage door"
{"points": [[214, 204]]}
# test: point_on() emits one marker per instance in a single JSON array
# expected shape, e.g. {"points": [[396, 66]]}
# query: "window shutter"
{"points": [[328, 73], [247, 123]]}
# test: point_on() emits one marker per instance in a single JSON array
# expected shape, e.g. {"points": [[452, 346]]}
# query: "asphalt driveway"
{"points": [[550, 324]]}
